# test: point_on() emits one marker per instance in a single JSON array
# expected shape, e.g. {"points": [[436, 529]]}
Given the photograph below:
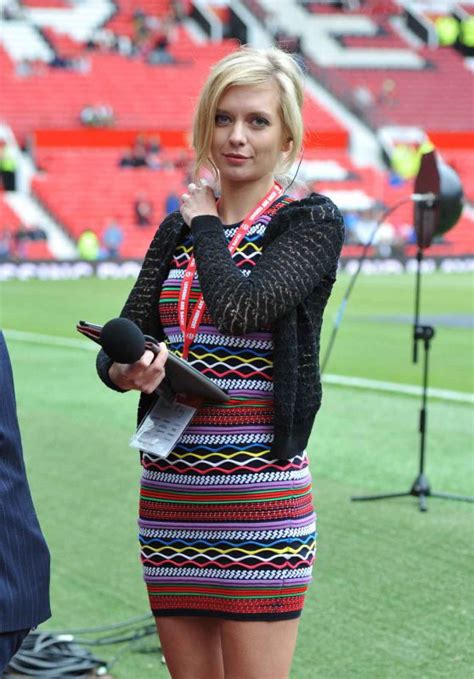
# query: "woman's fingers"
{"points": [[144, 375], [152, 372], [198, 200]]}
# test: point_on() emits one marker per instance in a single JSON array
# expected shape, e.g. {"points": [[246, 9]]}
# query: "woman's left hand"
{"points": [[199, 200]]}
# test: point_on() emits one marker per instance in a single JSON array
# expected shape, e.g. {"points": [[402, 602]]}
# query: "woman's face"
{"points": [[248, 133]]}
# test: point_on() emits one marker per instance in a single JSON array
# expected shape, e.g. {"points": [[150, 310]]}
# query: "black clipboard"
{"points": [[181, 377]]}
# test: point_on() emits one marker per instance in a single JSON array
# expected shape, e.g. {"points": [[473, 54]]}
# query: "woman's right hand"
{"points": [[144, 375]]}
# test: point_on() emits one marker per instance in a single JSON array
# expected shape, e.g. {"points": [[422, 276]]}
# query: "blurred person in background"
{"points": [[154, 148], [143, 210], [365, 225], [88, 245], [24, 236], [112, 239], [24, 556], [6, 243], [227, 524], [98, 115], [8, 165], [172, 202], [11, 11]]}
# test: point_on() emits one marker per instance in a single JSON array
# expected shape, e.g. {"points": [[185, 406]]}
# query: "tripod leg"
{"points": [[422, 502], [450, 496], [355, 498]]}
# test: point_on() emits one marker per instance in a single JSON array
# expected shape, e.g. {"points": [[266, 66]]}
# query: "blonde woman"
{"points": [[227, 525]]}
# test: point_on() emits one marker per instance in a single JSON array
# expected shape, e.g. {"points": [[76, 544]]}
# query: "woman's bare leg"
{"points": [[191, 646], [258, 650]]}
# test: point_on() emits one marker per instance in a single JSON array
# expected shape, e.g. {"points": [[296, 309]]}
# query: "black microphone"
{"points": [[124, 342]]}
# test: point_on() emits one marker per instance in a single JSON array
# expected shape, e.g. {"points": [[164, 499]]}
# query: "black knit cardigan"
{"points": [[286, 291]]}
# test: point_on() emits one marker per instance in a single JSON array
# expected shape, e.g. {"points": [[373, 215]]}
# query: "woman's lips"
{"points": [[235, 158]]}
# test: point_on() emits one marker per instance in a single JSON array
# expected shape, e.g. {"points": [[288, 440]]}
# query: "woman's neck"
{"points": [[239, 198]]}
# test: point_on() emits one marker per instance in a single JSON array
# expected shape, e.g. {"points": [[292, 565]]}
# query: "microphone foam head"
{"points": [[122, 340]]}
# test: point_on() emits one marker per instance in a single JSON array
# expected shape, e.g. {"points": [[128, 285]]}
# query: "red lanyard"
{"points": [[190, 330]]}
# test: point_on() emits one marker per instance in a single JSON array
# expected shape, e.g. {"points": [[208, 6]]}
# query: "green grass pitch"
{"points": [[392, 591]]}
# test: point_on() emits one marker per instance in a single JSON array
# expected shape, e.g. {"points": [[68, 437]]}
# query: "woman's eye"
{"points": [[260, 122], [221, 119]]}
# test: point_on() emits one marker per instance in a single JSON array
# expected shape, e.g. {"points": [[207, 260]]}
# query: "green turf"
{"points": [[383, 350], [392, 591], [365, 346]]}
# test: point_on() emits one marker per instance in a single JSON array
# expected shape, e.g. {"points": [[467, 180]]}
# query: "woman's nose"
{"points": [[237, 134]]}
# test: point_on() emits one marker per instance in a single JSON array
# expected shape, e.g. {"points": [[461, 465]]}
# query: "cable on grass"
{"points": [[61, 655], [47, 656]]}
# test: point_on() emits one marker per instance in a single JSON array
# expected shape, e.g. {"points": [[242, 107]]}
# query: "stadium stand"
{"points": [[416, 97], [79, 180], [108, 192]]}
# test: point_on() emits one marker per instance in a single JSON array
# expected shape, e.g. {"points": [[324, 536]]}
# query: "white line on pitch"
{"points": [[339, 380], [407, 389], [51, 340]]}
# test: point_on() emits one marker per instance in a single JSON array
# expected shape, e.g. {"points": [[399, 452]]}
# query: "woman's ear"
{"points": [[287, 145]]}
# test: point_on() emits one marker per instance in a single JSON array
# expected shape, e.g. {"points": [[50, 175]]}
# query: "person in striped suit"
{"points": [[24, 555]]}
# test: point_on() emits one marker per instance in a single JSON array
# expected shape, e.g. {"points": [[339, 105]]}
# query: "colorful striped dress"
{"points": [[225, 529]]}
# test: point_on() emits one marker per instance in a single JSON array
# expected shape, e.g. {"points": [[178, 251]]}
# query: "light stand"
{"points": [[427, 211]]}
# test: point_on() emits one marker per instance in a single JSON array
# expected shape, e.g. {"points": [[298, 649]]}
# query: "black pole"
{"points": [[419, 260], [428, 335]]}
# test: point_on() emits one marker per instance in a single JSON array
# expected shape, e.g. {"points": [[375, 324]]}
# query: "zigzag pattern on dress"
{"points": [[209, 465], [203, 461], [256, 477], [236, 558], [244, 551], [182, 256], [246, 253], [240, 365]]}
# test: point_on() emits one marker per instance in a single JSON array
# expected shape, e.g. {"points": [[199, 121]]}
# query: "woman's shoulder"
{"points": [[164, 238], [314, 203], [310, 212], [168, 228], [172, 222]]}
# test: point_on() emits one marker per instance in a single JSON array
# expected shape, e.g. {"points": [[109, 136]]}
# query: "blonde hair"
{"points": [[251, 66]]}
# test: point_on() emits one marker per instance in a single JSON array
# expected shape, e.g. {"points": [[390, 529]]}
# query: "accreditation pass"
{"points": [[162, 427]]}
